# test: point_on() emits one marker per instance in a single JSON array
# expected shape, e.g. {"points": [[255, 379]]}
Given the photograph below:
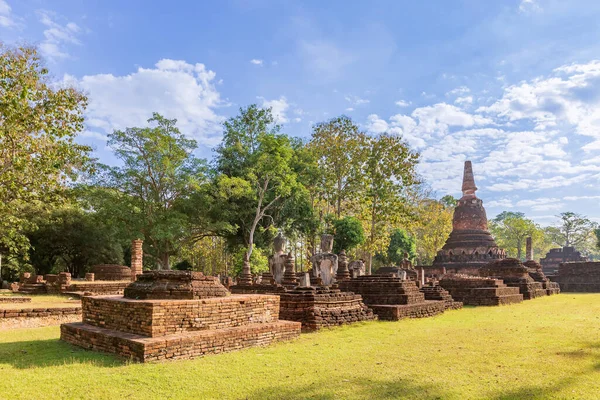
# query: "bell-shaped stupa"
{"points": [[470, 245]]}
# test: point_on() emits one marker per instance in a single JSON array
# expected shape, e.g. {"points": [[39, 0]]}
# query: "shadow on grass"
{"points": [[324, 389], [52, 352]]}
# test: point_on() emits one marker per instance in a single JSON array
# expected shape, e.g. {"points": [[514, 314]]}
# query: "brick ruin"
{"points": [[514, 274], [393, 298], [105, 279], [316, 307], [536, 273], [551, 262], [479, 291], [579, 277], [470, 245], [177, 315], [438, 293], [111, 272]]}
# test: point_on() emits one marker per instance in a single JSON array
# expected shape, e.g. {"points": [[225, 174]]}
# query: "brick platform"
{"points": [[159, 329], [393, 298], [476, 291], [438, 293], [39, 312], [97, 287], [15, 300], [111, 272], [515, 274], [537, 274], [314, 307], [579, 277]]}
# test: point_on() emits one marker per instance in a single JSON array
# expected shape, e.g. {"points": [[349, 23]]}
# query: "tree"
{"points": [[254, 167], [348, 234], [597, 234], [574, 229], [432, 228], [39, 158], [449, 201], [337, 146], [147, 194], [400, 242], [511, 230], [72, 240], [389, 170]]}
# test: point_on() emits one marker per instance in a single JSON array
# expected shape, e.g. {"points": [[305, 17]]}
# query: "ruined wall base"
{"points": [[178, 346], [395, 312]]}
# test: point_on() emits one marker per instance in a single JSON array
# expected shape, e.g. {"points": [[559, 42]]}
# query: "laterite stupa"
{"points": [[470, 246]]}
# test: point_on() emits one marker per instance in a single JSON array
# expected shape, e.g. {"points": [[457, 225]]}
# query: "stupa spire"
{"points": [[468, 186]]}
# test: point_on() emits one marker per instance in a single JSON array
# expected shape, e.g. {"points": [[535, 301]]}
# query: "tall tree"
{"points": [[400, 242], [432, 228], [387, 174], [39, 122], [159, 173], [511, 230], [337, 145], [574, 229], [349, 234], [255, 168]]}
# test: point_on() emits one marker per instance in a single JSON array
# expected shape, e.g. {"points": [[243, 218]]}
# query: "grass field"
{"points": [[40, 301], [543, 348]]}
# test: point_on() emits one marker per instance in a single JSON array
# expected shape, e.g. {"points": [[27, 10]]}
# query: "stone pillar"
{"points": [[342, 273], [137, 259], [289, 278], [422, 276], [246, 276], [528, 249]]}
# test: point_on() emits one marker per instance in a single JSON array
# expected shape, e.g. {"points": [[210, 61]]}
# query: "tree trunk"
{"points": [[164, 261]]}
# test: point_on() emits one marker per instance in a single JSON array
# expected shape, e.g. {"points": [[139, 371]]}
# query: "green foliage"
{"points": [[597, 234], [39, 157], [148, 195], [400, 242], [184, 265], [259, 261], [511, 230], [449, 201], [72, 240], [255, 174], [348, 234], [575, 230]]}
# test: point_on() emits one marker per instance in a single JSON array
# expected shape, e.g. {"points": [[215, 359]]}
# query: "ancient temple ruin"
{"points": [[551, 262], [177, 315], [470, 245]]}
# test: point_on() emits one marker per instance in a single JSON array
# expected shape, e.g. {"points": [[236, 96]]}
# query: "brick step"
{"points": [[177, 346], [399, 311]]}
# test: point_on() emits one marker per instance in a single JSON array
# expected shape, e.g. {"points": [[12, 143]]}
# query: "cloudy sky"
{"points": [[512, 85]]}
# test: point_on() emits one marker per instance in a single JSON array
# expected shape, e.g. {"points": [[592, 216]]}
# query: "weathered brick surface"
{"points": [[537, 274], [314, 307], [180, 346], [39, 312], [476, 291], [579, 277], [15, 299], [515, 274], [98, 288], [111, 272], [163, 317], [176, 285], [438, 293], [395, 312]]}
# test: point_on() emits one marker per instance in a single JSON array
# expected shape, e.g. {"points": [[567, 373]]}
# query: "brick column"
{"points": [[137, 257], [528, 249]]}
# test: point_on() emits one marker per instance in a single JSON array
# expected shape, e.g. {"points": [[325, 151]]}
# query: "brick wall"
{"points": [[162, 317], [579, 277]]}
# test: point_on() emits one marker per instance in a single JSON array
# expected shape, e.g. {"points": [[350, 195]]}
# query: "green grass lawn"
{"points": [[543, 348], [40, 301]]}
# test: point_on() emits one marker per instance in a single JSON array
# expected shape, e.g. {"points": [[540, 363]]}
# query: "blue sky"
{"points": [[512, 85]]}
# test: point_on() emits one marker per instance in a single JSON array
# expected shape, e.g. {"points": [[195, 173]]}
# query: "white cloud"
{"points": [[403, 103], [464, 100], [529, 6], [355, 100], [459, 91], [57, 37], [324, 58], [173, 88], [7, 19], [376, 124], [256, 62], [278, 108], [349, 109]]}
